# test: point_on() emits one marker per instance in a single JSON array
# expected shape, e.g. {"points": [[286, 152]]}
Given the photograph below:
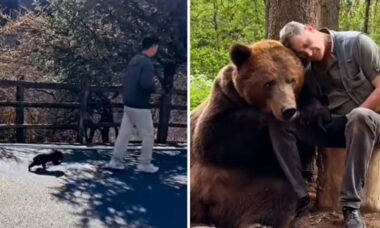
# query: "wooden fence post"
{"points": [[20, 132], [85, 87], [165, 106]]}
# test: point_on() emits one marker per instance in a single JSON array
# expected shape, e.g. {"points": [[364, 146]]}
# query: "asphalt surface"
{"points": [[81, 192]]}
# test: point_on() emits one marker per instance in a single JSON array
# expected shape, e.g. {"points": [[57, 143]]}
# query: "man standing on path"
{"points": [[137, 88]]}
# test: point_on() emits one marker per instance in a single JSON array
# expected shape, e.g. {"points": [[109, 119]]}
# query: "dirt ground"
{"points": [[322, 218], [327, 218], [333, 219]]}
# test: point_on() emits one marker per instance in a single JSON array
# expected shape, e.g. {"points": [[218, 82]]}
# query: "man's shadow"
{"points": [[125, 198]]}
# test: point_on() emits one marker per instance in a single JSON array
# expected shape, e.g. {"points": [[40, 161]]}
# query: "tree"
{"points": [[307, 12], [366, 18], [329, 14], [360, 16], [95, 39], [215, 26], [316, 13], [91, 41]]}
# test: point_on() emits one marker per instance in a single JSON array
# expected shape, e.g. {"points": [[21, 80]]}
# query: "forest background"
{"points": [[216, 25]]}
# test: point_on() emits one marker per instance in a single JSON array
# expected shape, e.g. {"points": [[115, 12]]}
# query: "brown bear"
{"points": [[235, 179]]}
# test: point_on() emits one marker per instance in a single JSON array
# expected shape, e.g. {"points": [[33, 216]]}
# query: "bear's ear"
{"points": [[239, 54]]}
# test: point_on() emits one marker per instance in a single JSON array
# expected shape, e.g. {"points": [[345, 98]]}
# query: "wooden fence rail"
{"points": [[83, 91]]}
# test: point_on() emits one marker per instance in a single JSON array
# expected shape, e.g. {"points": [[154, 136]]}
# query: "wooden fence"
{"points": [[164, 106]]}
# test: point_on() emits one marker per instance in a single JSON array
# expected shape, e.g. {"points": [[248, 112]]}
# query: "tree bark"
{"points": [[266, 3], [280, 12], [366, 17], [330, 176], [215, 21], [319, 14], [329, 14]]}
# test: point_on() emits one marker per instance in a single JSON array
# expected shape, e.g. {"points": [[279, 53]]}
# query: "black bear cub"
{"points": [[56, 157]]}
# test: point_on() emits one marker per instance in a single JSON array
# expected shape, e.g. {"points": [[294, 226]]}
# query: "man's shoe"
{"points": [[303, 206], [115, 164], [352, 218], [148, 168]]}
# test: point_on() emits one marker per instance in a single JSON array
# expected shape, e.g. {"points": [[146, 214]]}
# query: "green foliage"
{"points": [[92, 40], [352, 14], [199, 90], [374, 22], [215, 26]]}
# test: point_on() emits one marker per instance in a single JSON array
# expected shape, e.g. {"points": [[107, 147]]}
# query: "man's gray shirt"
{"points": [[138, 82], [330, 78]]}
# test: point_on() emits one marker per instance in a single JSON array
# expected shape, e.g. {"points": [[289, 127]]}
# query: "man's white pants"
{"points": [[142, 120]]}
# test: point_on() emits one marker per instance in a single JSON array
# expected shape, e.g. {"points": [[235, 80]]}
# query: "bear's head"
{"points": [[269, 76]]}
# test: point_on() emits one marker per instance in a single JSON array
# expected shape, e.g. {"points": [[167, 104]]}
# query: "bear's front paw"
{"points": [[319, 116], [258, 225]]}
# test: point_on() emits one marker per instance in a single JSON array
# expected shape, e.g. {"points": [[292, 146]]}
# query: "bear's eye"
{"points": [[269, 85], [291, 81]]}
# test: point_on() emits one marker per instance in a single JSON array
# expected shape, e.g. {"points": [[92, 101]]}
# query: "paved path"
{"points": [[82, 193]]}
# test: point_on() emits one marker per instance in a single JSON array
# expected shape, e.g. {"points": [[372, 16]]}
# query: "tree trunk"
{"points": [[330, 176], [318, 13], [215, 21], [331, 162], [329, 14], [266, 3], [366, 17], [280, 12]]}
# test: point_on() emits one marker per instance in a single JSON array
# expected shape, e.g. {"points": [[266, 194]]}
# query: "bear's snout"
{"points": [[288, 113]]}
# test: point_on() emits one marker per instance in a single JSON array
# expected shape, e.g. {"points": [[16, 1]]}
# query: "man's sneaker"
{"points": [[148, 168], [303, 206], [115, 164], [352, 218]]}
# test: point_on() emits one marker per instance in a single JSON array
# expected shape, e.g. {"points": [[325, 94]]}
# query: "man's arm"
{"points": [[370, 63], [373, 100], [146, 77]]}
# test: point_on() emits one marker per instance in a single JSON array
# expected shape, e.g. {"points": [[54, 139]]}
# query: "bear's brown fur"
{"points": [[235, 178]]}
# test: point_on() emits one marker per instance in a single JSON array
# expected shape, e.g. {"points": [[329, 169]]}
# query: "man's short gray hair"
{"points": [[289, 30]]}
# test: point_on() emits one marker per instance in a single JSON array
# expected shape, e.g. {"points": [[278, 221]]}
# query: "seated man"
{"points": [[344, 66]]}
